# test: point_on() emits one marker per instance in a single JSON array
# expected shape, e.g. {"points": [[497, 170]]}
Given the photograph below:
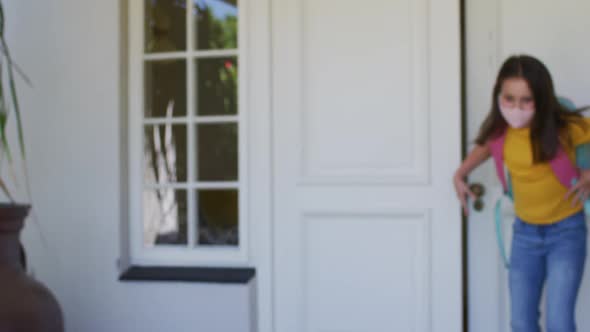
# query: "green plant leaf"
{"points": [[5, 59], [14, 96], [4, 118], [17, 68], [5, 190], [1, 19]]}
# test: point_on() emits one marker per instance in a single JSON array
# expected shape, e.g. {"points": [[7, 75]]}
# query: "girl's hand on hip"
{"points": [[581, 190]]}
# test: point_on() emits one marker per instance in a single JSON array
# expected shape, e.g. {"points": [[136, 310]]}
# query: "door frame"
{"points": [[464, 219]]}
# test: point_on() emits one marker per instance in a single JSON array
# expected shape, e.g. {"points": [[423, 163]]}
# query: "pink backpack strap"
{"points": [[497, 149], [562, 166], [564, 169]]}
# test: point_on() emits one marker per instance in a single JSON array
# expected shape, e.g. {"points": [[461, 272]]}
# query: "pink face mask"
{"points": [[516, 117]]}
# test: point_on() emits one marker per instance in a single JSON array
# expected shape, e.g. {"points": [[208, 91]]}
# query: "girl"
{"points": [[549, 241]]}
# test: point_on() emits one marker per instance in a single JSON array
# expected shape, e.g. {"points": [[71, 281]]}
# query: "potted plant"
{"points": [[25, 304]]}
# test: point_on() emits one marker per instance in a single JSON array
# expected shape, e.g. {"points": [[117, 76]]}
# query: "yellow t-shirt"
{"points": [[538, 194]]}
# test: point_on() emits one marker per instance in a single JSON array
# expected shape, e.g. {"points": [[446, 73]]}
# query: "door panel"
{"points": [[367, 137]]}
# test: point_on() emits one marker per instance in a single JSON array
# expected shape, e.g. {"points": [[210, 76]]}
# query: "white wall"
{"points": [[71, 50], [556, 33]]}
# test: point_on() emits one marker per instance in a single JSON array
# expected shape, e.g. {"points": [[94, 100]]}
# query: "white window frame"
{"points": [[178, 255]]}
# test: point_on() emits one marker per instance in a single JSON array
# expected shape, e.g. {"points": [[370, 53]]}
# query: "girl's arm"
{"points": [[475, 158]]}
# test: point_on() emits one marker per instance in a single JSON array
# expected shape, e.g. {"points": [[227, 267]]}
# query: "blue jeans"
{"points": [[546, 253]]}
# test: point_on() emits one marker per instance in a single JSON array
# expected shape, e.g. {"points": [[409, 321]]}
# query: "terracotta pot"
{"points": [[25, 304]]}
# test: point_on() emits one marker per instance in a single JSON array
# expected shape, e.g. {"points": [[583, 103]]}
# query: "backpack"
{"points": [[564, 169]]}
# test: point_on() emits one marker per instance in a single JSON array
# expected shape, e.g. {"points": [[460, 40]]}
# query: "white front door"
{"points": [[367, 228], [557, 34]]}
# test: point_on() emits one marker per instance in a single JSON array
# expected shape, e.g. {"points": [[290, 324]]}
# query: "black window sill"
{"points": [[219, 275]]}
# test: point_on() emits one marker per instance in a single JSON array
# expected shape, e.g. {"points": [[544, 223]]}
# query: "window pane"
{"points": [[165, 88], [165, 154], [217, 86], [164, 217], [218, 217], [216, 24], [217, 151], [165, 25]]}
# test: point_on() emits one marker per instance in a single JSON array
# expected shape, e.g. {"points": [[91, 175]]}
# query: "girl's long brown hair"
{"points": [[550, 120]]}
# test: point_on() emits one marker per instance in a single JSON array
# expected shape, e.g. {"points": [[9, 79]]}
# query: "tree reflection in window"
{"points": [[165, 25], [217, 86], [216, 24]]}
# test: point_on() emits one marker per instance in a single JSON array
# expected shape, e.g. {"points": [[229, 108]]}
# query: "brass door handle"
{"points": [[478, 190]]}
